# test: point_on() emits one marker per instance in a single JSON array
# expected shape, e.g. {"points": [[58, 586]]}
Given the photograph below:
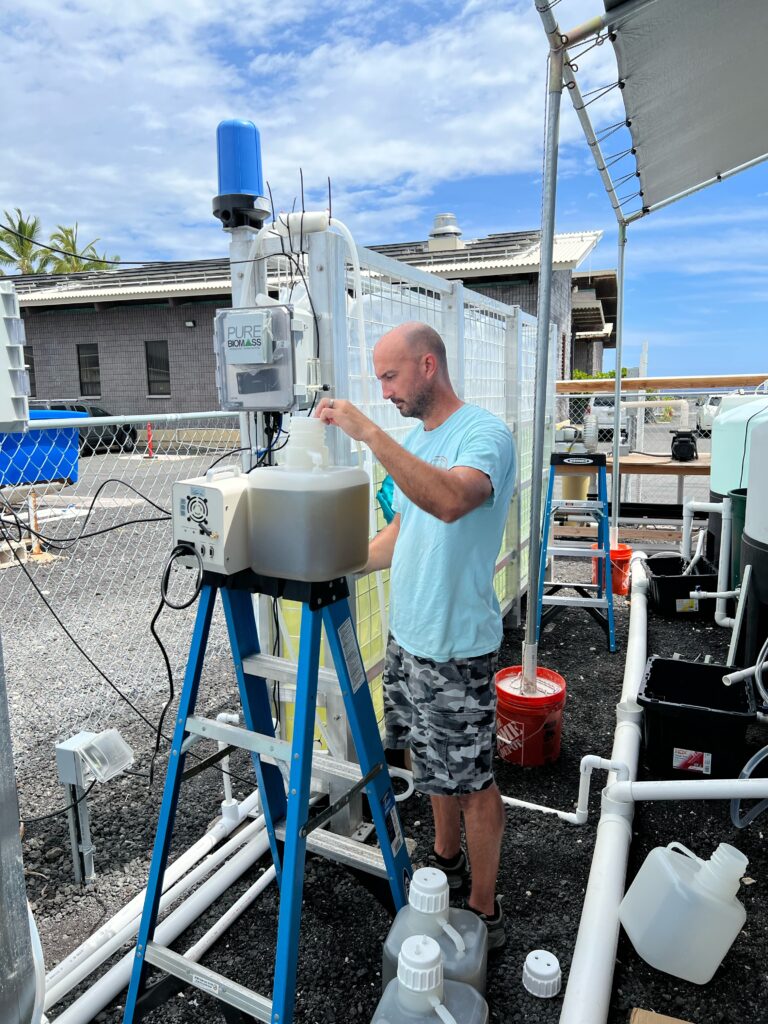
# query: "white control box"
{"points": [[255, 363], [14, 380], [210, 513]]}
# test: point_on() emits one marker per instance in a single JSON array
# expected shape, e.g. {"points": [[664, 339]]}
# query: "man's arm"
{"points": [[447, 494], [382, 547]]}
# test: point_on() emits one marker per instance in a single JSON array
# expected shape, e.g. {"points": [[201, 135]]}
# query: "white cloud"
{"points": [[115, 107]]}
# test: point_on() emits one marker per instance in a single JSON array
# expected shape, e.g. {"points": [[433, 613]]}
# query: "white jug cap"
{"points": [[541, 974], [420, 964], [429, 891]]}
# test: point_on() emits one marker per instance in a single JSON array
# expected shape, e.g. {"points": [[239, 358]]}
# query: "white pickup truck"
{"points": [[601, 406]]}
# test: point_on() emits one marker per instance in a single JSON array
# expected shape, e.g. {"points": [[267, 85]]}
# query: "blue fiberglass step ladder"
{"points": [[596, 598], [287, 816]]}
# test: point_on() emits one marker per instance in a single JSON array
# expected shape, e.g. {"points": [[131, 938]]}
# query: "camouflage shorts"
{"points": [[446, 713]]}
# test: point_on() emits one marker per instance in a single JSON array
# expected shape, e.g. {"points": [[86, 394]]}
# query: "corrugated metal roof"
{"points": [[507, 251], [517, 251]]}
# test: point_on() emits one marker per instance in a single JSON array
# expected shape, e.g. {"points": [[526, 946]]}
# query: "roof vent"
{"points": [[445, 234]]}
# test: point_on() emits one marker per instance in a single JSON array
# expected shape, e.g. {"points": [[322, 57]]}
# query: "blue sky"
{"points": [[413, 109]]}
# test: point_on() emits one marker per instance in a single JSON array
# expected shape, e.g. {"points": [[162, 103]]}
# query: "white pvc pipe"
{"points": [[227, 919], [690, 789], [588, 993], [698, 554], [579, 816], [39, 962], [184, 863], [107, 988], [724, 566], [724, 562], [358, 278], [688, 509], [111, 945]]}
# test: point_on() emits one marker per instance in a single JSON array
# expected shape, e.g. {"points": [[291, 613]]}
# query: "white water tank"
{"points": [[732, 433], [756, 520]]}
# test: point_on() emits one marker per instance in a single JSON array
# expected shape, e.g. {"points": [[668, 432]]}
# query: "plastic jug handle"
{"points": [[685, 850], [442, 1011], [452, 934]]}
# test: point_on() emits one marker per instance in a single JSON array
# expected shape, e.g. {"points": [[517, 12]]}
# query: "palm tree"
{"points": [[76, 259], [17, 244]]}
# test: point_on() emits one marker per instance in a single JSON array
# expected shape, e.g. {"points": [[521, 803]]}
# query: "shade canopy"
{"points": [[694, 74]]}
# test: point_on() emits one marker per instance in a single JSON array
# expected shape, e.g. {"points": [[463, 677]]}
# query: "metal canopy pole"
{"points": [[557, 42], [615, 471], [549, 189]]}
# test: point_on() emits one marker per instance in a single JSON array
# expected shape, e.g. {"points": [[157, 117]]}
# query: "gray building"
{"points": [[139, 339]]}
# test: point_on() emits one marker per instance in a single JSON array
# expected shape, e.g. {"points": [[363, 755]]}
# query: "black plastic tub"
{"points": [[693, 724], [670, 592]]}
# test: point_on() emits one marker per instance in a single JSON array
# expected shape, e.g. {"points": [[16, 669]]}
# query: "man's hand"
{"points": [[340, 413]]}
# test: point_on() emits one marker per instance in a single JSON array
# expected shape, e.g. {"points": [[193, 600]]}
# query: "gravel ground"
{"points": [[545, 864]]}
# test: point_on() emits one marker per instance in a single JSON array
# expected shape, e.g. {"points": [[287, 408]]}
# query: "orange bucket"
{"points": [[620, 559], [528, 728]]}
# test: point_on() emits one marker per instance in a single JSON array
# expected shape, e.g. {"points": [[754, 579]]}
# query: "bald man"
{"points": [[454, 478]]}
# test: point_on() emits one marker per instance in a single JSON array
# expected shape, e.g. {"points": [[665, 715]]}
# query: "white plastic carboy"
{"points": [[420, 994], [681, 912], [309, 519], [460, 934]]}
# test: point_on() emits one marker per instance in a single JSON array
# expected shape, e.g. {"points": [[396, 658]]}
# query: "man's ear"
{"points": [[430, 364]]}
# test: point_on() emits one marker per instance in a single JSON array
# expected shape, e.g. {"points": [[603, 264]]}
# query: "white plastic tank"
{"points": [[420, 994], [461, 935], [756, 520], [732, 432], [309, 520], [681, 913]]}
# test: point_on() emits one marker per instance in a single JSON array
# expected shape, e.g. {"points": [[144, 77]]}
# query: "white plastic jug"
{"points": [[309, 520], [681, 912], [420, 995], [305, 447], [460, 934]]}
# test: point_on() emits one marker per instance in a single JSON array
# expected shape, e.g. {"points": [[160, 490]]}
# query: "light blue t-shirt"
{"points": [[442, 604]]}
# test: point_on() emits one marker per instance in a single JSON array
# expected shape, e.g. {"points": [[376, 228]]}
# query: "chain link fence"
{"points": [[85, 521], [648, 423]]}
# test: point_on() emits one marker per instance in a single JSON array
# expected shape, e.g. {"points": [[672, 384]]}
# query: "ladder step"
{"points": [[343, 850], [576, 602], [269, 667], [209, 981], [236, 736], [563, 551], [572, 586], [571, 505]]}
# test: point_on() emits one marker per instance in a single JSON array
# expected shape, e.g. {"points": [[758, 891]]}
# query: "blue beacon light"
{"points": [[240, 200]]}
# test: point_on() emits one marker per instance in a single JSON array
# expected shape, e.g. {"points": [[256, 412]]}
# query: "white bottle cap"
{"points": [[420, 964], [541, 974], [429, 891]]}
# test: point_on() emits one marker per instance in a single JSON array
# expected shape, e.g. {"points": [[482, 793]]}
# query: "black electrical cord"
{"points": [[61, 542], [69, 636], [175, 553], [105, 677], [61, 810], [179, 551], [233, 451]]}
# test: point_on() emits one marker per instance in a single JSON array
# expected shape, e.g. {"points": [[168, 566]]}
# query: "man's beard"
{"points": [[420, 406]]}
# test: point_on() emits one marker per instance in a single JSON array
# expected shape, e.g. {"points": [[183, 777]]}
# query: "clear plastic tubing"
{"points": [[742, 820]]}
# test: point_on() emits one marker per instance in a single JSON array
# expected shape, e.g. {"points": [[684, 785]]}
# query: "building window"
{"points": [[90, 375], [29, 361], [158, 368]]}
